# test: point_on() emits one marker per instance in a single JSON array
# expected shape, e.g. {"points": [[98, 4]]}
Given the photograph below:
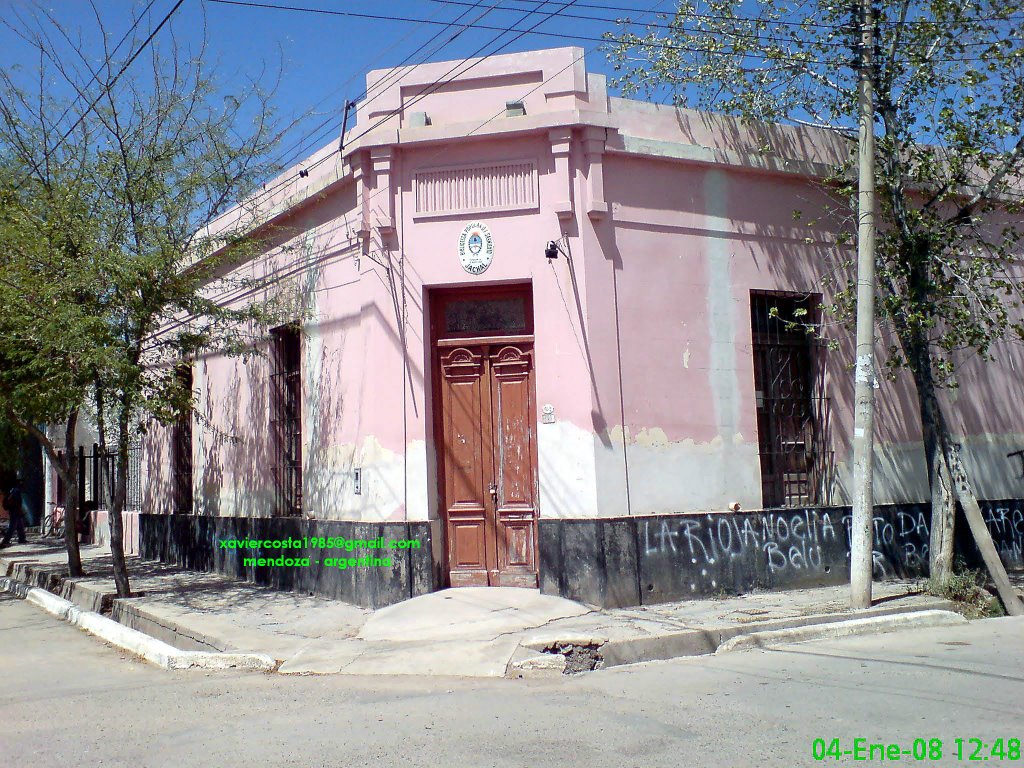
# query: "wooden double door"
{"points": [[486, 428]]}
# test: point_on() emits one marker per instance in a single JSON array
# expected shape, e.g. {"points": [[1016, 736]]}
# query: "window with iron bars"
{"points": [[97, 475], [286, 418], [181, 448], [793, 413]]}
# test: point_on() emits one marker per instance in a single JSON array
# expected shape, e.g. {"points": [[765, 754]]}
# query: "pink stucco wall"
{"points": [[643, 339]]}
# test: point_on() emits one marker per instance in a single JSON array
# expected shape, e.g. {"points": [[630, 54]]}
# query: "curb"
{"points": [[131, 640], [839, 629], [705, 641], [127, 612]]}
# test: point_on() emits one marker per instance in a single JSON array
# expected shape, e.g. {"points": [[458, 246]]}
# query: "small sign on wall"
{"points": [[476, 248]]}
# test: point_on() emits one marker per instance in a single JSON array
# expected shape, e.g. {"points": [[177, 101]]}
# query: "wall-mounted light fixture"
{"points": [[555, 247]]}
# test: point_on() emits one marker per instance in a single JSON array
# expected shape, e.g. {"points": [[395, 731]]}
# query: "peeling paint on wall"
{"points": [[331, 488], [565, 457], [665, 476]]}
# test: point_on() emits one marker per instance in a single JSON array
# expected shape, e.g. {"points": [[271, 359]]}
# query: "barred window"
{"points": [[181, 447], [286, 417], [793, 413]]}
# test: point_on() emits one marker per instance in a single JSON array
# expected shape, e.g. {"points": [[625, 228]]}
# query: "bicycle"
{"points": [[53, 526]]}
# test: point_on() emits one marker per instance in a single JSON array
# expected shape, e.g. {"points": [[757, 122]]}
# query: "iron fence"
{"points": [[97, 475]]}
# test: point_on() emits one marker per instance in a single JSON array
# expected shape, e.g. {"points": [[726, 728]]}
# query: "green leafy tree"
{"points": [[949, 84], [52, 335], [167, 154]]}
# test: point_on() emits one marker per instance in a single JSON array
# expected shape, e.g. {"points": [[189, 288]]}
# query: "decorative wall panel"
{"points": [[505, 186]]}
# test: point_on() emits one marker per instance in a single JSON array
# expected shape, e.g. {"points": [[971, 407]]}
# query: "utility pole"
{"points": [[864, 392]]}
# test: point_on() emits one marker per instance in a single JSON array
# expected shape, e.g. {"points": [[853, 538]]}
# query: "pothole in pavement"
{"points": [[578, 657]]}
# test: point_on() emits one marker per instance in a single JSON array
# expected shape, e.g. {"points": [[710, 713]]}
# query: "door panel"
{"points": [[512, 410], [465, 410], [489, 459]]}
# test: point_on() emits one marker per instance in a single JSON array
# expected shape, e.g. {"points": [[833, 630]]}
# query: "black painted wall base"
{"points": [[644, 560], [192, 541], [611, 562]]}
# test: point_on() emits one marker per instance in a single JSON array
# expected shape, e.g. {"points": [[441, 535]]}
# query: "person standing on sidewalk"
{"points": [[12, 504]]}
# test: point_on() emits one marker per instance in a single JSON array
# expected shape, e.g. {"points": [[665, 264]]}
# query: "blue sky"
{"points": [[323, 58]]}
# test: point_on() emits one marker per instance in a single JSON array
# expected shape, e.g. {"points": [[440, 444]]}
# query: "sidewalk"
{"points": [[468, 631]]}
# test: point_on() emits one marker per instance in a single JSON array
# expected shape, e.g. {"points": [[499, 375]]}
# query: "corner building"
{"points": [[538, 335]]}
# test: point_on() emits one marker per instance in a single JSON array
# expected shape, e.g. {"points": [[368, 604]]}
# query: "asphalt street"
{"points": [[68, 699]]}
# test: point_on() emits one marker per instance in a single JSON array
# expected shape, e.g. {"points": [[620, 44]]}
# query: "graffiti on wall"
{"points": [[705, 554], [1006, 524], [659, 558], [788, 540]]}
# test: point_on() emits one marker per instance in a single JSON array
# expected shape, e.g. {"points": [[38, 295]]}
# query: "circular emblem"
{"points": [[476, 248]]}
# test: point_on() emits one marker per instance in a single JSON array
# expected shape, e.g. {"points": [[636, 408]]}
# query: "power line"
{"points": [[741, 19], [608, 38], [297, 148], [800, 61], [695, 15], [108, 86], [415, 20], [648, 24], [297, 144], [96, 74], [736, 33], [435, 84]]}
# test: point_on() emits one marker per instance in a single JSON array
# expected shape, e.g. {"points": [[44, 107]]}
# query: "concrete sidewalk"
{"points": [[468, 631]]}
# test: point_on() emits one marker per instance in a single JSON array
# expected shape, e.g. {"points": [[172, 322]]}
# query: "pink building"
{"points": [[534, 335]]}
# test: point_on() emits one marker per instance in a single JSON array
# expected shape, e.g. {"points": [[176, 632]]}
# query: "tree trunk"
{"points": [[940, 551], [71, 500], [940, 548], [945, 466], [115, 522], [982, 537], [117, 525], [951, 467], [943, 501]]}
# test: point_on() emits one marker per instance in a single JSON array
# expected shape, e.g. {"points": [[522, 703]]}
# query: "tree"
{"points": [[949, 84], [164, 157], [51, 330]]}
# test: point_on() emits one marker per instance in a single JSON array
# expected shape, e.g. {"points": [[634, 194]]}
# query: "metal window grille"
{"points": [[181, 450], [286, 418], [97, 475], [133, 483], [793, 413]]}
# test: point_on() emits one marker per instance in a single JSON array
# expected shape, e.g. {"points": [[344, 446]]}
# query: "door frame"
{"points": [[438, 340]]}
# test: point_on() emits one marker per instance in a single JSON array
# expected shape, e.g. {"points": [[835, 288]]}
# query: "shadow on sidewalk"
{"points": [[199, 592]]}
